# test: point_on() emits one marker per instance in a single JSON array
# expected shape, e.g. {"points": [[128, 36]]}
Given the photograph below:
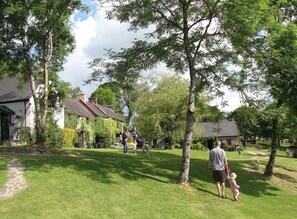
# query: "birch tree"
{"points": [[34, 42]]}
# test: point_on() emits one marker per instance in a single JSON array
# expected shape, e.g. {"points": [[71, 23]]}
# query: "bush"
{"points": [[27, 135], [54, 135], [198, 146], [177, 145], [70, 136]]}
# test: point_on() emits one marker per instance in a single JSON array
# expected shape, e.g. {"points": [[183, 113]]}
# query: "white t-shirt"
{"points": [[217, 157]]}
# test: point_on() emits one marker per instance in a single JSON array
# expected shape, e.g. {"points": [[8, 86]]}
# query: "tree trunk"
{"points": [[270, 164], [185, 167], [40, 132], [41, 97], [244, 142]]}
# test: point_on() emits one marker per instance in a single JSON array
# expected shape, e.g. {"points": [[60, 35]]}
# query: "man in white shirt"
{"points": [[217, 163]]}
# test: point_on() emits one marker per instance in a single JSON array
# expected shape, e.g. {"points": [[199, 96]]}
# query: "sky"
{"points": [[94, 34]]}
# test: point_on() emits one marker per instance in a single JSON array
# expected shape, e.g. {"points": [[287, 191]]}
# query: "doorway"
{"points": [[4, 126]]}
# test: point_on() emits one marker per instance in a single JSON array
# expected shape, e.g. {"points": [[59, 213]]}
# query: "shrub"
{"points": [[110, 130], [54, 135], [198, 146], [70, 136], [27, 135], [70, 121]]}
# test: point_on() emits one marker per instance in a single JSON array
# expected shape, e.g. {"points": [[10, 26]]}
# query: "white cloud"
{"points": [[93, 34]]}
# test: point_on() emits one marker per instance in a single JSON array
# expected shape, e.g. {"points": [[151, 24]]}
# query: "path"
{"points": [[16, 180], [257, 154]]}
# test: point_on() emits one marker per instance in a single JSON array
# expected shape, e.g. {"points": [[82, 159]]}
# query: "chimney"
{"points": [[110, 107], [81, 96], [93, 100]]}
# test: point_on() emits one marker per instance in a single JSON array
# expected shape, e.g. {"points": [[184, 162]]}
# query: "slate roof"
{"points": [[222, 129], [89, 110], [9, 91], [96, 109], [77, 107], [110, 113]]}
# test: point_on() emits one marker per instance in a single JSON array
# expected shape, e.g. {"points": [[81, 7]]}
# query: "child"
{"points": [[234, 186], [135, 147], [147, 150]]}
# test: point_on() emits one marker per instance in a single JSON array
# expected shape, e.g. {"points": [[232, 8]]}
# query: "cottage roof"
{"points": [[110, 113], [222, 129], [9, 91], [96, 109], [76, 107], [90, 109]]}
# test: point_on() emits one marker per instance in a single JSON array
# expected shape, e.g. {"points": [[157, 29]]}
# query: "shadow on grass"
{"points": [[163, 167]]}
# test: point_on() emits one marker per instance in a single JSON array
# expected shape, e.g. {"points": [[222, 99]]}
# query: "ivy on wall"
{"points": [[105, 128]]}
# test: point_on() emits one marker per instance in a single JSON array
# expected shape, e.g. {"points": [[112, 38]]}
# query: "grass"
{"points": [[105, 183]]}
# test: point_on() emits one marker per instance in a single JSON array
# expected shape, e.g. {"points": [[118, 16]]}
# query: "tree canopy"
{"points": [[186, 35], [35, 38]]}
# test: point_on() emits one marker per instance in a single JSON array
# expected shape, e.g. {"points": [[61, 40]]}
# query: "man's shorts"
{"points": [[219, 176]]}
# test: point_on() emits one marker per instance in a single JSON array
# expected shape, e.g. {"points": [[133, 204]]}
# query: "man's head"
{"points": [[217, 143]]}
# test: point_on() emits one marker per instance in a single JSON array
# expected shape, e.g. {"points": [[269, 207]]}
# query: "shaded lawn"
{"points": [[105, 183]]}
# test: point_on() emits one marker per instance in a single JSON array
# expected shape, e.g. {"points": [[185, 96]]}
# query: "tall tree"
{"points": [[186, 36], [161, 109], [246, 120], [269, 41], [34, 41], [108, 94]]}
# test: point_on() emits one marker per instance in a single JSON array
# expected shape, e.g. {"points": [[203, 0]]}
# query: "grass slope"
{"points": [[105, 183]]}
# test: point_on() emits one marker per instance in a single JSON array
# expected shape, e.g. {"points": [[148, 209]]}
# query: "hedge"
{"points": [[70, 136]]}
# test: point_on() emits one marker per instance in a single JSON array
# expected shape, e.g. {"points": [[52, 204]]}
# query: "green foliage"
{"points": [[70, 137], [70, 121], [54, 135], [161, 111], [110, 130], [87, 128], [106, 129], [27, 135], [198, 147], [35, 40], [108, 94], [99, 126], [68, 92], [246, 121], [281, 64]]}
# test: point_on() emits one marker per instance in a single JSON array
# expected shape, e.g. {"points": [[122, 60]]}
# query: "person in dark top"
{"points": [[125, 138]]}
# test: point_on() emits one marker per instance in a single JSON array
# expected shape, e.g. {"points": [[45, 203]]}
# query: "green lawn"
{"points": [[105, 183]]}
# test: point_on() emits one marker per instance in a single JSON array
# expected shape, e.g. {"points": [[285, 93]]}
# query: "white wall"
{"points": [[25, 115], [59, 117], [24, 110]]}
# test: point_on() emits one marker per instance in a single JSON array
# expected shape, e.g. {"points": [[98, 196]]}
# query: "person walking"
{"points": [[135, 134], [143, 143], [147, 149], [217, 164], [234, 186], [125, 138]]}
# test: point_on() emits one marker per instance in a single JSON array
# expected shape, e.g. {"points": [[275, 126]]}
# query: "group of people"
{"points": [[220, 169], [135, 134]]}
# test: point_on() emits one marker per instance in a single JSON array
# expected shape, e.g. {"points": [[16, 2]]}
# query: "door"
{"points": [[4, 126]]}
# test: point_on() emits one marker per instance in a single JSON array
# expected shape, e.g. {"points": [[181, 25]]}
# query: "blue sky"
{"points": [[93, 34]]}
